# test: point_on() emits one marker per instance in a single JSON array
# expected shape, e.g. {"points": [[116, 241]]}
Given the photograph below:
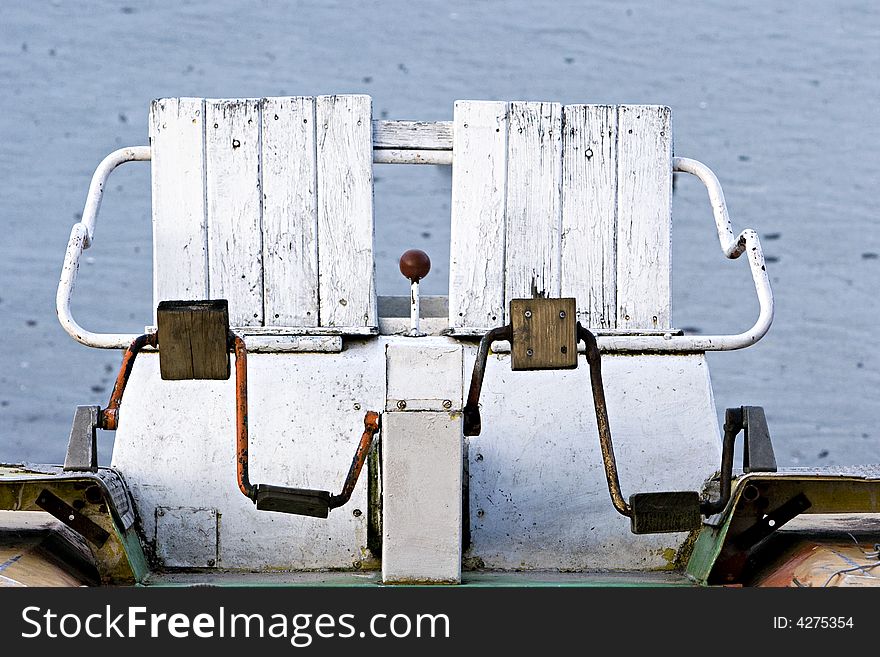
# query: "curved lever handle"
{"points": [[471, 416]]}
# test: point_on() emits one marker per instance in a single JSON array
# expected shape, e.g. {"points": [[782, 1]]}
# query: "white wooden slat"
{"points": [[644, 216], [589, 212], [347, 289], [479, 175], [290, 212], [428, 135], [534, 178], [235, 267], [177, 133]]}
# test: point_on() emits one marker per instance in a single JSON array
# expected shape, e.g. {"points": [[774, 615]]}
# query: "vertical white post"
{"points": [[422, 462]]}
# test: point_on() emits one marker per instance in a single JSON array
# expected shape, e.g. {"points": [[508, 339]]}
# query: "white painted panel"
{"points": [[425, 374], [534, 177], [235, 251], [176, 445], [538, 495], [644, 217], [421, 497], [589, 212], [290, 212], [479, 173], [347, 288], [186, 537], [177, 134]]}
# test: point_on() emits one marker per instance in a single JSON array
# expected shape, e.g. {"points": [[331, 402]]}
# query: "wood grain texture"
{"points": [[644, 216], [427, 135], [534, 176], [479, 175], [290, 212], [544, 335], [235, 251], [180, 256], [347, 290], [589, 212], [193, 340]]}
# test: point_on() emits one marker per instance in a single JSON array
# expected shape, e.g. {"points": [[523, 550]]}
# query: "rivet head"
{"points": [[401, 404], [527, 314]]}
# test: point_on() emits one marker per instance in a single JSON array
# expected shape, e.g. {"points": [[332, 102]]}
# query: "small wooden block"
{"points": [[544, 334], [193, 339]]}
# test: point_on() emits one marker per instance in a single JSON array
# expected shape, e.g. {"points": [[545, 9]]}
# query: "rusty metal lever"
{"points": [[266, 497], [299, 501]]}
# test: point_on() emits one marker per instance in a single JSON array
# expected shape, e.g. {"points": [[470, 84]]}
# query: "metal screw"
{"points": [[479, 457], [357, 407], [357, 513], [71, 517], [528, 313], [401, 404], [480, 513], [529, 353], [160, 512], [562, 314], [211, 563], [447, 404]]}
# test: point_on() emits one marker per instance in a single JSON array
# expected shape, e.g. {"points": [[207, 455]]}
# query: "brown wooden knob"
{"points": [[415, 264]]}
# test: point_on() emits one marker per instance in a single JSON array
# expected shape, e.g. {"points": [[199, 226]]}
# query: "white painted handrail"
{"points": [[747, 241], [81, 237], [733, 247]]}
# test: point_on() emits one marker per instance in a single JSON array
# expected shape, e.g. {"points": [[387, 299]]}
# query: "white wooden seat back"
{"points": [[267, 203], [552, 200]]}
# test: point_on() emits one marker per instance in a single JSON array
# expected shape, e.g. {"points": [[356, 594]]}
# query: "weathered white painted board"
{"points": [[538, 495], [180, 233], [428, 135], [347, 289], [589, 212], [306, 417], [290, 212], [479, 174], [235, 250], [534, 177], [644, 216], [421, 497]]}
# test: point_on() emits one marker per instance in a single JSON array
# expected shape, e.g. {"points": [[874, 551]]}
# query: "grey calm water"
{"points": [[779, 98]]}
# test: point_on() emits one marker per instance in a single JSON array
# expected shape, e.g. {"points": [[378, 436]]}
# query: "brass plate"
{"points": [[544, 334]]}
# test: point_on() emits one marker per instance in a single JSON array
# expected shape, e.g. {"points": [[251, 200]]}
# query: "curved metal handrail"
{"points": [[732, 245]]}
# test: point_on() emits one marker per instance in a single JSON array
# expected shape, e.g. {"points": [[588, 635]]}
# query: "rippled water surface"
{"points": [[779, 98]]}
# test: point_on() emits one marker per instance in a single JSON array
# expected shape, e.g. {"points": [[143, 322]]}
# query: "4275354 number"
{"points": [[813, 622]]}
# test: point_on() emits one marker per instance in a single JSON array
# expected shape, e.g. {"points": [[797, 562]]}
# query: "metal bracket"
{"points": [[82, 447], [758, 453]]}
